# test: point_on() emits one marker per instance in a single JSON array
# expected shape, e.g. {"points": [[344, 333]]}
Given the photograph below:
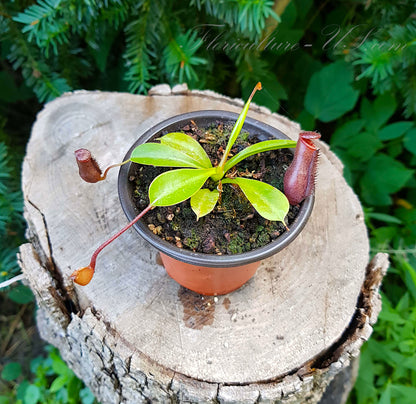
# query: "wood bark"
{"points": [[133, 334]]}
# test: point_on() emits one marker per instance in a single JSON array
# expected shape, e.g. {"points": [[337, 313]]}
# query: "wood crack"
{"points": [[59, 291]]}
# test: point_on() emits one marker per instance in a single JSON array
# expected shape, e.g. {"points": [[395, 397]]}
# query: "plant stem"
{"points": [[104, 176], [235, 132], [84, 275], [119, 233]]}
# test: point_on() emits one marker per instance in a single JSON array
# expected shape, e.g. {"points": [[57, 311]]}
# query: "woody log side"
{"points": [[292, 334]]}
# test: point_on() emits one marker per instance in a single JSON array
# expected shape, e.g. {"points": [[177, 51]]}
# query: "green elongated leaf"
{"points": [[410, 278], [330, 94], [187, 145], [58, 383], [204, 201], [404, 305], [366, 392], [157, 154], [383, 217], [386, 396], [176, 186], [266, 199], [394, 130], [59, 366], [260, 147], [237, 127]]}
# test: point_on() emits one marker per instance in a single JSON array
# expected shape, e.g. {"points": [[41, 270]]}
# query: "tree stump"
{"points": [[134, 335]]}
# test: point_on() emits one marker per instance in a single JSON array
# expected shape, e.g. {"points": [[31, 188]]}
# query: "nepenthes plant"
{"points": [[193, 168]]}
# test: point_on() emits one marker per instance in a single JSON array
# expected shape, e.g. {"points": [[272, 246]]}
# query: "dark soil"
{"points": [[233, 226]]}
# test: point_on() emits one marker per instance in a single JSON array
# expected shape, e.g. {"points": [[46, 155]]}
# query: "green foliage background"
{"points": [[346, 68]]}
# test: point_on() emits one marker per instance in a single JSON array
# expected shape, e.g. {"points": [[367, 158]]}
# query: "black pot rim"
{"points": [[202, 259]]}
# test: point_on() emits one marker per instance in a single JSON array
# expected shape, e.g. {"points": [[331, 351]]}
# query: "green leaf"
{"points": [[59, 366], [58, 383], [376, 114], [32, 395], [409, 362], [260, 147], [404, 392], [386, 396], [86, 396], [383, 217], [237, 129], [391, 316], [11, 371], [384, 234], [383, 176], [330, 94], [157, 154], [5, 400], [61, 396], [21, 294], [350, 140], [21, 390], [268, 201], [394, 130], [410, 278], [73, 389], [362, 146], [347, 131], [409, 141], [187, 145], [204, 201], [176, 186]]}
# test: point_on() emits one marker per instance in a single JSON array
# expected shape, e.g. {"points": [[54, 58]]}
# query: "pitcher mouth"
{"points": [[197, 258]]}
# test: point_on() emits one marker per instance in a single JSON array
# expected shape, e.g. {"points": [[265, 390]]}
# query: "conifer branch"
{"points": [[137, 56]]}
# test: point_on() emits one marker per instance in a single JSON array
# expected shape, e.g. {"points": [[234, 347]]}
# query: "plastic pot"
{"points": [[207, 274]]}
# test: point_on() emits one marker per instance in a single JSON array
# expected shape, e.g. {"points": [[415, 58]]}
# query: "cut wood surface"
{"points": [[133, 329]]}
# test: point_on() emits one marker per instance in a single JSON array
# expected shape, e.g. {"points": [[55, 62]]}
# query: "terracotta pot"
{"points": [[208, 273], [206, 280]]}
